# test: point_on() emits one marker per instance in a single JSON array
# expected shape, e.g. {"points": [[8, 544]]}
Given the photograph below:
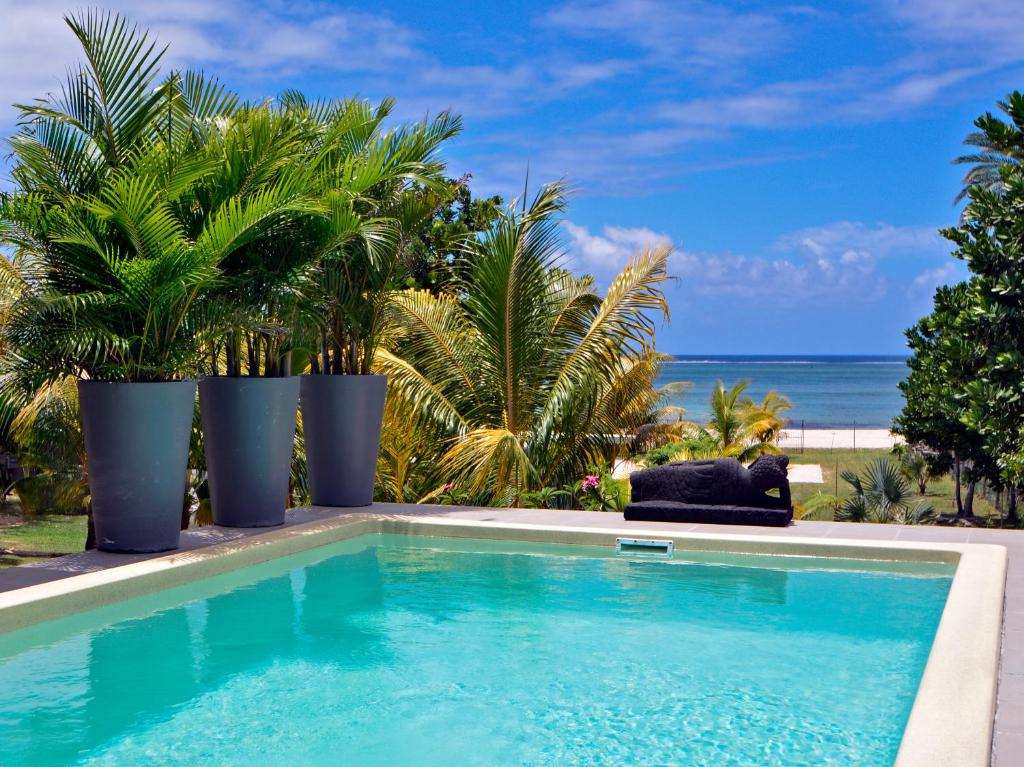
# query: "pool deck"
{"points": [[1008, 741]]}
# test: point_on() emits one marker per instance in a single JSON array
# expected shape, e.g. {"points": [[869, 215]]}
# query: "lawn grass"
{"points": [[50, 533], [941, 491]]}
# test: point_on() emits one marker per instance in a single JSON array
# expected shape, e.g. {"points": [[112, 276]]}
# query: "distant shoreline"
{"points": [[845, 439], [788, 359], [830, 392]]}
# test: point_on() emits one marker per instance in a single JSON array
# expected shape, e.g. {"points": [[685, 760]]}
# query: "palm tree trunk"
{"points": [[339, 364], [969, 502], [956, 479], [254, 365]]}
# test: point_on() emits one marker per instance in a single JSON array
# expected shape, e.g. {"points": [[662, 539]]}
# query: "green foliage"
{"points": [[881, 494], [434, 254], [544, 498], [659, 456], [965, 392], [109, 176], [821, 506], [738, 427], [997, 143], [599, 491], [991, 241], [51, 494], [524, 376], [374, 196]]}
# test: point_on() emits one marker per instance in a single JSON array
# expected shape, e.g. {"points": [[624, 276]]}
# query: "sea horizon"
{"points": [[828, 391], [887, 358]]}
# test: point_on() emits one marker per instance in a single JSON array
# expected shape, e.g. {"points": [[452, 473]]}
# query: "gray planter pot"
{"points": [[341, 421], [248, 434], [136, 443]]}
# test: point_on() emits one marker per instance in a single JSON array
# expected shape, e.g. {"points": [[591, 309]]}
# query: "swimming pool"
{"points": [[403, 649]]}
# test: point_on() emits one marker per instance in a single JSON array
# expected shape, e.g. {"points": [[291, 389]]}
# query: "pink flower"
{"points": [[446, 487], [590, 482]]}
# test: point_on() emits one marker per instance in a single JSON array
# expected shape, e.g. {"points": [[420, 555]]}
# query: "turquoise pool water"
{"points": [[392, 650]]}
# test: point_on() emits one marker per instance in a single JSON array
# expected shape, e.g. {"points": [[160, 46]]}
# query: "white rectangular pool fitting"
{"points": [[644, 547]]}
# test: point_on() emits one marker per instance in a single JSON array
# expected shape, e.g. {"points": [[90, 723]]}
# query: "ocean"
{"points": [[841, 391]]}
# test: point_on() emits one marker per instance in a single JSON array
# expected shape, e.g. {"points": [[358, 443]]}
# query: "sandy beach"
{"points": [[839, 438]]}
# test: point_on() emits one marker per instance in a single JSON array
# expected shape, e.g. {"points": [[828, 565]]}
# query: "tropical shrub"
{"points": [[599, 491], [881, 494], [914, 465], [820, 506]]}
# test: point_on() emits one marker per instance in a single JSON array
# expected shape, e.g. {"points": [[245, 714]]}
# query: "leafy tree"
{"points": [[991, 241], [435, 254], [101, 217], [373, 190], [945, 358]]}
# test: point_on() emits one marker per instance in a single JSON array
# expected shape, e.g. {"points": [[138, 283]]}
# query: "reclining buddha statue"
{"points": [[717, 491]]}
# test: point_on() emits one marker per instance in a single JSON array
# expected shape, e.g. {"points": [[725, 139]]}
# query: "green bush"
{"points": [[50, 494]]}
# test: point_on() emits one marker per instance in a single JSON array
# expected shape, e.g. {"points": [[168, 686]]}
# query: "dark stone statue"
{"points": [[720, 491]]}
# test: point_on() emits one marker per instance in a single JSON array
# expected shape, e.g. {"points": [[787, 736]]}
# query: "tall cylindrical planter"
{"points": [[341, 421], [136, 444], [248, 434]]}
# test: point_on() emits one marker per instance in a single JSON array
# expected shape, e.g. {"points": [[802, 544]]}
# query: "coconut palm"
{"points": [[525, 373], [881, 494], [998, 143], [741, 428]]}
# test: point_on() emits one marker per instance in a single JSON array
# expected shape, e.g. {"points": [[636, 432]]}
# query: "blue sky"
{"points": [[796, 157]]}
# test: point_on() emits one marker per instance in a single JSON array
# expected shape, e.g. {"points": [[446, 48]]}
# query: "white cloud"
{"points": [[851, 95], [925, 283], [685, 34], [605, 254], [879, 240], [992, 26], [808, 281], [264, 47], [838, 261], [232, 36]]}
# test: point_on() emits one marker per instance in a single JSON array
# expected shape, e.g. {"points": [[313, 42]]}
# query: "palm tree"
{"points": [[108, 218], [913, 464], [881, 494], [998, 143], [523, 376], [366, 176], [741, 428]]}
